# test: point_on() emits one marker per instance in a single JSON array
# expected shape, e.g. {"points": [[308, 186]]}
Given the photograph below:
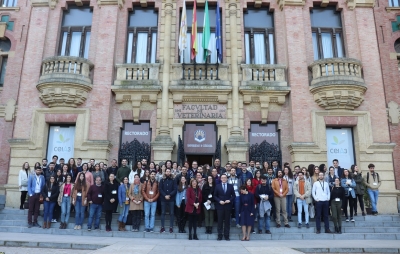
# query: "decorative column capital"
{"points": [[44, 3], [283, 3]]}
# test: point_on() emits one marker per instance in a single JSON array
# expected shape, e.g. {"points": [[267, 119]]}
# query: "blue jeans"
{"points": [[95, 210], [48, 210], [237, 209], [322, 207], [79, 211], [266, 219], [300, 205], [123, 216], [65, 209], [171, 205], [373, 195], [289, 201], [149, 214]]}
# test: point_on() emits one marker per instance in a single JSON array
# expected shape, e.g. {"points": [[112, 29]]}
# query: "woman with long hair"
{"points": [[360, 187], [146, 176], [98, 172], [65, 200], [79, 199], [136, 204], [288, 176], [246, 212], [257, 178], [73, 169], [330, 176], [314, 177], [208, 196], [180, 201], [310, 170], [348, 184], [59, 180], [193, 200], [136, 170], [265, 167], [306, 174], [50, 191], [88, 175], [65, 172], [337, 197], [110, 199], [23, 177], [123, 199]]}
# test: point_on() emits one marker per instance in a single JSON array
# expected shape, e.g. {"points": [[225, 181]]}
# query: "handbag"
{"points": [[24, 182], [311, 210], [41, 199]]}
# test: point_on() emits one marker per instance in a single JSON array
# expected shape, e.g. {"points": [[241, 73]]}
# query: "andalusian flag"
{"points": [[206, 43], [193, 42], [183, 31]]}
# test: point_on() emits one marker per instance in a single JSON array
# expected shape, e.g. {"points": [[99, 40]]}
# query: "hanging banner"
{"points": [[199, 138], [339, 144], [61, 142], [140, 131], [260, 132]]}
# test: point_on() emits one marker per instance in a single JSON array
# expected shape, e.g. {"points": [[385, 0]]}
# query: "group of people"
{"points": [[244, 192]]}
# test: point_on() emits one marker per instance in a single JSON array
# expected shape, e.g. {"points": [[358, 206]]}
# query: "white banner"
{"points": [[61, 142], [340, 146]]}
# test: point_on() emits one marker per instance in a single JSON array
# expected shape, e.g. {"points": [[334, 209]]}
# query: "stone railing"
{"points": [[263, 75], [65, 81], [337, 83], [137, 74], [200, 74]]}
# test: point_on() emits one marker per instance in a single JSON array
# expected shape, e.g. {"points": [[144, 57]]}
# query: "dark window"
{"points": [[259, 37], [5, 46], [326, 27], [397, 46], [142, 36], [3, 63], [75, 32], [200, 22], [9, 3]]}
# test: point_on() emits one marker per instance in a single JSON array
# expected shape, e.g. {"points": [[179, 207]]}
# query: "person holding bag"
{"points": [[50, 192], [123, 199], [207, 193], [180, 201]]}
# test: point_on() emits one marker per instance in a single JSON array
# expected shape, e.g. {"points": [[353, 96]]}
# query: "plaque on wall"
{"points": [[260, 132], [140, 131], [199, 111], [199, 138]]}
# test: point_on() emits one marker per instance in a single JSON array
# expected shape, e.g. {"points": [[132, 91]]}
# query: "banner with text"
{"points": [[140, 131], [61, 142], [339, 144], [260, 132], [200, 138]]}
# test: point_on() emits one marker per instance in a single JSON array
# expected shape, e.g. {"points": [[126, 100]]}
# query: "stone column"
{"points": [[236, 145], [163, 144]]}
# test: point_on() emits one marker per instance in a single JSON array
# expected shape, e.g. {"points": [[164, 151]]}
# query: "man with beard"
{"points": [[193, 170], [281, 189], [144, 164], [217, 166], [321, 194], [182, 173], [236, 183], [35, 185], [167, 197], [252, 167]]}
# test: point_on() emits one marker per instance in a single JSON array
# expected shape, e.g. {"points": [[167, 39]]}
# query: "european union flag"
{"points": [[218, 33]]}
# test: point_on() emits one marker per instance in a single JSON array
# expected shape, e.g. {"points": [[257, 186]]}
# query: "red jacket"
{"points": [[191, 199], [256, 182]]}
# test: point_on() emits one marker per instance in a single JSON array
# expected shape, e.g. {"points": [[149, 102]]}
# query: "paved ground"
{"points": [[154, 246]]}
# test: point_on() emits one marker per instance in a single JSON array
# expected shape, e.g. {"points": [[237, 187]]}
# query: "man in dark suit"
{"points": [[224, 196], [338, 170], [275, 167]]}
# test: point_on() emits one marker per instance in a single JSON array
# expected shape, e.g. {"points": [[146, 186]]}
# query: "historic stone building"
{"points": [[300, 82]]}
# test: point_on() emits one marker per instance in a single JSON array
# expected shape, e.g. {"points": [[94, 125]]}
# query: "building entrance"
{"points": [[201, 159]]}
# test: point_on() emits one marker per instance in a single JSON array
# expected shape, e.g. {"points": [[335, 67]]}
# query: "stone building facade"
{"points": [[302, 77]]}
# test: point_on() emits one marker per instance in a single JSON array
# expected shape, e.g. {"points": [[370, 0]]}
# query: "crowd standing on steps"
{"points": [[238, 192]]}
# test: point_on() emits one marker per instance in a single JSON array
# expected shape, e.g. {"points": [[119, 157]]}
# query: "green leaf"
{"points": [[335, 139], [61, 138]]}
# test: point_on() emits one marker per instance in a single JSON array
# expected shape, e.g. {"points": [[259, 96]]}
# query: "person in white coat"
{"points": [[23, 182], [139, 171]]}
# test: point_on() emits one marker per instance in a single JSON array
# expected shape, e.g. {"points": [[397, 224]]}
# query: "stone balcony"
{"points": [[137, 83], [264, 84], [65, 81], [337, 83], [200, 82]]}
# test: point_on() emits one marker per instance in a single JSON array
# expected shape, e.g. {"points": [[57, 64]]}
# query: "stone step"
{"points": [[202, 236]]}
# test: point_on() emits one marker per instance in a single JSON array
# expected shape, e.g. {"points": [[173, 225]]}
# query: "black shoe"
{"points": [[29, 225], [363, 214], [195, 237], [260, 231], [190, 236], [184, 231], [355, 214], [21, 207], [340, 230], [307, 225], [287, 226], [210, 230], [35, 224], [336, 230], [328, 231], [318, 231], [268, 232], [290, 219], [227, 239], [278, 225]]}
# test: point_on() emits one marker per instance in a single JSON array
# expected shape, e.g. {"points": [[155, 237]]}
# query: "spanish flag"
{"points": [[193, 41]]}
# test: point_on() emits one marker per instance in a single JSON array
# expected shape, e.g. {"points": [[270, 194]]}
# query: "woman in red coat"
{"points": [[193, 202], [257, 178]]}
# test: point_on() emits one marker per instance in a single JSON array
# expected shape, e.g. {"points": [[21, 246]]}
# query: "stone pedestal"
{"points": [[237, 148], [162, 148]]}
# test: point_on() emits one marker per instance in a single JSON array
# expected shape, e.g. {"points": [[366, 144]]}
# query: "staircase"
{"points": [[385, 227]]}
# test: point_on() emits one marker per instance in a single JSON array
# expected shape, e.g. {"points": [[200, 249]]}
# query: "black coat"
{"points": [[207, 190], [55, 191], [166, 187], [110, 192], [219, 195]]}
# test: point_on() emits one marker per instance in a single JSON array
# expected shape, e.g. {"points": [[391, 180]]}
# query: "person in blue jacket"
{"points": [[123, 198], [36, 183], [348, 184]]}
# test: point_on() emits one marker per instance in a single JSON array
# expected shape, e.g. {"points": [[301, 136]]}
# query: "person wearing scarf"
{"points": [[136, 202]]}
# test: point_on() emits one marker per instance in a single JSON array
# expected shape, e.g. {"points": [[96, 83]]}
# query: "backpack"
{"points": [[368, 177]]}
